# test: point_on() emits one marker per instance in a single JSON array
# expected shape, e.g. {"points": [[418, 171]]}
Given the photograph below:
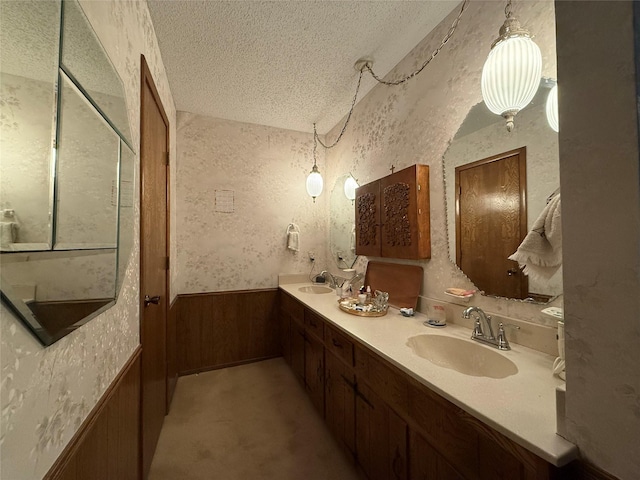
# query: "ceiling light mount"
{"points": [[363, 64]]}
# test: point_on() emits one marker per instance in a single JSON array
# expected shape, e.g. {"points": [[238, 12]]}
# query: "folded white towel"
{"points": [[541, 250], [352, 239], [293, 241]]}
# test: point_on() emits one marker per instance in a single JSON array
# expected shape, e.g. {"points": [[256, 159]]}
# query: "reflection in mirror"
{"points": [[128, 194], [67, 262], [84, 60], [342, 228], [483, 136], [86, 200], [29, 32]]}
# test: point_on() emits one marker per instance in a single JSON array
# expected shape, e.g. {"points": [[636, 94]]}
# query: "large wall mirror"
{"points": [[530, 174], [67, 170], [342, 216]]}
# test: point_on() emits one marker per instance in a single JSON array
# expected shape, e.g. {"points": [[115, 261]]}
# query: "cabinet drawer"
{"points": [[314, 324], [291, 306], [339, 344]]}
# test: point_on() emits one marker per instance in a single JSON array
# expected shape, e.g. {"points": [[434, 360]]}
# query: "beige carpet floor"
{"points": [[248, 422]]}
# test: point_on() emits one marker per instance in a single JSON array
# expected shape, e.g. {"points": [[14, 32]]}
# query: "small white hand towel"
{"points": [[293, 237], [293, 241], [541, 250]]}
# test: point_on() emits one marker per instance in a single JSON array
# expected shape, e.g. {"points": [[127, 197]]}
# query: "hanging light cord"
{"points": [[434, 54], [367, 66], [344, 127]]}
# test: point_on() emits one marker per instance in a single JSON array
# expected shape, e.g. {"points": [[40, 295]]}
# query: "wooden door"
{"points": [[340, 401], [154, 142], [314, 371], [427, 464], [491, 222], [372, 434], [368, 219], [297, 349]]}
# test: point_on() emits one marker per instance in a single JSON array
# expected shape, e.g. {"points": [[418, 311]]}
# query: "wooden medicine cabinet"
{"points": [[392, 215]]}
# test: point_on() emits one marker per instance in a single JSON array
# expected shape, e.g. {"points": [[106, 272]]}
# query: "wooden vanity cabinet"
{"points": [[392, 426], [393, 217]]}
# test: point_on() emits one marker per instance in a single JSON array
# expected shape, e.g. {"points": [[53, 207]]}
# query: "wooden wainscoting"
{"points": [[107, 445], [172, 352], [221, 329]]}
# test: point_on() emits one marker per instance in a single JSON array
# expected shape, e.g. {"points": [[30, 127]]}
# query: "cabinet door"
{"points": [[404, 213], [297, 350], [426, 463], [381, 438], [285, 336], [367, 206], [340, 401], [314, 371]]}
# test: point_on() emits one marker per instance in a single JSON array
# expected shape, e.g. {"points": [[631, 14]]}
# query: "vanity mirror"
{"points": [[522, 186], [67, 211], [342, 228]]}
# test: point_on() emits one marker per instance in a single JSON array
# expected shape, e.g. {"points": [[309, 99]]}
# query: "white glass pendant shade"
{"points": [[350, 186], [314, 183], [511, 76], [552, 109]]}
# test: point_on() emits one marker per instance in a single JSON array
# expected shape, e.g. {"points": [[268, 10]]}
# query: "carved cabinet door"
{"points": [[367, 206], [404, 213]]}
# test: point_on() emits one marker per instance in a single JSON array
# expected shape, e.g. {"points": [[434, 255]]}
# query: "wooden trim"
{"points": [[64, 461]]}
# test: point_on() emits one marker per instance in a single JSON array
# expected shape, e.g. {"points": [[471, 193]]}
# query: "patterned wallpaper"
{"points": [[415, 123], [47, 393], [264, 170]]}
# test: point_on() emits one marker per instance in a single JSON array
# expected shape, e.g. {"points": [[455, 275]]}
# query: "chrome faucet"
{"points": [[350, 281], [333, 281], [483, 332]]}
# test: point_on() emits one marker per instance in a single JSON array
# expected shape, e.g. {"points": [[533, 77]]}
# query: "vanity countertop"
{"points": [[521, 407]]}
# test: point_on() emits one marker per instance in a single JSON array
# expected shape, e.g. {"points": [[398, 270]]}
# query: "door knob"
{"points": [[512, 271], [148, 300]]}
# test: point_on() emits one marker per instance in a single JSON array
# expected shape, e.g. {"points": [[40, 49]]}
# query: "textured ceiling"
{"points": [[285, 64]]}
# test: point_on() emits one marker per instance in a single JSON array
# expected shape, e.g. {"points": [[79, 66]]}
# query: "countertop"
{"points": [[521, 407]]}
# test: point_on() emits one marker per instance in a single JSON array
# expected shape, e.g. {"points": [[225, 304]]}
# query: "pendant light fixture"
{"points": [[512, 71], [552, 108], [350, 185], [314, 180]]}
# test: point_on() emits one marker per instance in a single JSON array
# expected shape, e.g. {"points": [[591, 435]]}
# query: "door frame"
{"points": [[147, 78]]}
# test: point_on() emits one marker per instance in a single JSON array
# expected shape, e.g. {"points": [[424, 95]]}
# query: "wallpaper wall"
{"points": [[47, 393], [600, 175], [239, 186], [415, 122]]}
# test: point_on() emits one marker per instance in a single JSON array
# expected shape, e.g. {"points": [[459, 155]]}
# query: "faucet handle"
{"points": [[503, 343]]}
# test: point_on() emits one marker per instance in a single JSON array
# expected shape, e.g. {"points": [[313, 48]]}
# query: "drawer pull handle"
{"points": [[336, 343]]}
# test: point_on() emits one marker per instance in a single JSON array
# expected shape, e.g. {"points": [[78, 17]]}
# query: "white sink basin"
{"points": [[463, 356], [315, 289]]}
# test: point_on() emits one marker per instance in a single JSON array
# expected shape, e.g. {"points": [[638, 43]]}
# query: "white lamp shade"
{"points": [[314, 183], [350, 186], [552, 108], [511, 75]]}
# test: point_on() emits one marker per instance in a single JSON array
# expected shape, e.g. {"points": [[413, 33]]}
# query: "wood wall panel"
{"points": [[216, 330], [172, 352], [107, 445]]}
